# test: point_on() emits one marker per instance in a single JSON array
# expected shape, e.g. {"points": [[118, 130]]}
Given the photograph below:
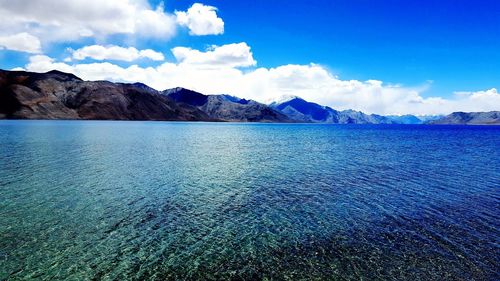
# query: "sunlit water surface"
{"points": [[185, 201]]}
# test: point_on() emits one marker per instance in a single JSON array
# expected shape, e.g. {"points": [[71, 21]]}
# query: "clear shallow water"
{"points": [[166, 201]]}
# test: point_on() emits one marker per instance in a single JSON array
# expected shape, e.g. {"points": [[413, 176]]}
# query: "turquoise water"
{"points": [[84, 200]]}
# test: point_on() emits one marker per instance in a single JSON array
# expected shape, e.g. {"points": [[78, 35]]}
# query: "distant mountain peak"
{"points": [[54, 71], [63, 75], [299, 109], [469, 118]]}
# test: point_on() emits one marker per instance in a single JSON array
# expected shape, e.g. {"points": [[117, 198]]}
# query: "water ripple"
{"points": [[210, 201]]}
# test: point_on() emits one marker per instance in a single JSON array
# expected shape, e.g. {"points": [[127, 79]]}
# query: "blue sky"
{"points": [[456, 44], [422, 51]]}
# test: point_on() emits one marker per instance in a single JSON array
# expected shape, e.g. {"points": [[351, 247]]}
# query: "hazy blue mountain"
{"points": [[427, 118], [413, 119], [226, 107], [469, 118], [405, 119], [300, 110]]}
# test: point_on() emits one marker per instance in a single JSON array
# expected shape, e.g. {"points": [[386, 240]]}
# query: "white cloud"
{"points": [[155, 23], [230, 55], [112, 52], [151, 54], [42, 63], [201, 20], [312, 82], [23, 42], [55, 20], [32, 23]]}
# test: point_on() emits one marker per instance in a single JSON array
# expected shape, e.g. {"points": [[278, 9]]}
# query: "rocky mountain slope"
{"points": [[469, 118], [58, 95], [228, 108]]}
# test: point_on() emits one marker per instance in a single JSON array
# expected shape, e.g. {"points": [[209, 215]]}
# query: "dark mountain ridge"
{"points": [[59, 95]]}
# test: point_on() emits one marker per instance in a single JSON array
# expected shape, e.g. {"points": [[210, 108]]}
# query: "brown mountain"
{"points": [[58, 95]]}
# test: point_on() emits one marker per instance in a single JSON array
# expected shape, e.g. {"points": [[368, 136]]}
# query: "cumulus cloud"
{"points": [[55, 20], [312, 82], [32, 21], [111, 52], [23, 42], [230, 55], [201, 20]]}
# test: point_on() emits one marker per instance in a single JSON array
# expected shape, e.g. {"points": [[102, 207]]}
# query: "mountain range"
{"points": [[59, 95], [226, 107], [469, 118]]}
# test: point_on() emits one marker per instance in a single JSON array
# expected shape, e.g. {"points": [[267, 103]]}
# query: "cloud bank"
{"points": [[55, 20], [33, 22], [219, 70], [230, 55], [112, 52]]}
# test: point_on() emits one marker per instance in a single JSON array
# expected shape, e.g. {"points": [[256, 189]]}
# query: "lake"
{"points": [[200, 201]]}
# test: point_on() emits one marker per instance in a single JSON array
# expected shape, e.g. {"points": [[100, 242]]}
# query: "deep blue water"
{"points": [[86, 200]]}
